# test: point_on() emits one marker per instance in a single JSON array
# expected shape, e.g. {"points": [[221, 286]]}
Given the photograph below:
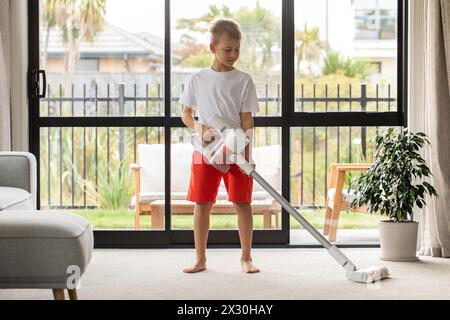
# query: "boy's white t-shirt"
{"points": [[223, 94]]}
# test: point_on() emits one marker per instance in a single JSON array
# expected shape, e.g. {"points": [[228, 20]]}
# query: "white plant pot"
{"points": [[398, 240]]}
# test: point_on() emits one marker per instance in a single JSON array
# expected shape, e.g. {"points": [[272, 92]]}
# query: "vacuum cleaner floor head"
{"points": [[369, 274]]}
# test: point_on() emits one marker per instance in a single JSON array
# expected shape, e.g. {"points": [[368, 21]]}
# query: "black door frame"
{"points": [[289, 119]]}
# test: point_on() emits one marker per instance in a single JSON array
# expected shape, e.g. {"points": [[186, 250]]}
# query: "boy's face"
{"points": [[227, 50]]}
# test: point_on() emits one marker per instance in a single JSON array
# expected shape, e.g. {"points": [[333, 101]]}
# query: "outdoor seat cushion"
{"points": [[15, 199], [42, 249], [346, 196]]}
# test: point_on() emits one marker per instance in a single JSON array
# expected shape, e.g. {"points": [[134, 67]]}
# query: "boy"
{"points": [[230, 94]]}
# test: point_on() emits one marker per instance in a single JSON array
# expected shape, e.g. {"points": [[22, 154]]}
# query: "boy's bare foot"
{"points": [[248, 267], [199, 266]]}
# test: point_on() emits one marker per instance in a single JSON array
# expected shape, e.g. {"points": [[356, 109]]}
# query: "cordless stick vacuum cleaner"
{"points": [[228, 144]]}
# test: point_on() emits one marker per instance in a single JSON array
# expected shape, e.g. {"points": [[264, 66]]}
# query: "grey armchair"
{"points": [[38, 249], [18, 181]]}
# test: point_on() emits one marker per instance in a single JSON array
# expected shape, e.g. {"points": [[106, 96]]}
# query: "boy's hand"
{"points": [[206, 133]]}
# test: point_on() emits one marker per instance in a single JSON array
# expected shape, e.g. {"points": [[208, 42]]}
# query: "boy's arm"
{"points": [[247, 125], [188, 119]]}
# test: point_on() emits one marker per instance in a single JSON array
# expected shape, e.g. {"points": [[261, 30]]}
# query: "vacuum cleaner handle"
{"points": [[332, 250], [248, 169], [242, 163], [338, 255], [289, 208]]}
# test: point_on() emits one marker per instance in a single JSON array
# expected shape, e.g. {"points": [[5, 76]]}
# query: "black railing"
{"points": [[271, 106]]}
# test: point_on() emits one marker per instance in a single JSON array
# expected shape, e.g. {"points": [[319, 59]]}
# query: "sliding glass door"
{"points": [[105, 126]]}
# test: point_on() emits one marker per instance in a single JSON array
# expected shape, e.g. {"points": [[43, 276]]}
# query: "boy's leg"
{"points": [[203, 187], [201, 228], [240, 188], [245, 225]]}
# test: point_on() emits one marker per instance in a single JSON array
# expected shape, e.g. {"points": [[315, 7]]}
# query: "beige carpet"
{"points": [[286, 274]]}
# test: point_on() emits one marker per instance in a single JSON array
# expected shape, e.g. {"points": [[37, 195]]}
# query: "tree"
{"points": [[309, 46], [190, 50], [260, 27], [350, 67], [51, 9], [262, 32], [200, 24], [79, 20], [199, 60]]}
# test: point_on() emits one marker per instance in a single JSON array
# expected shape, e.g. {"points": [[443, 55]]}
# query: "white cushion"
{"points": [[268, 165], [346, 196], [15, 199], [152, 162], [181, 166]]}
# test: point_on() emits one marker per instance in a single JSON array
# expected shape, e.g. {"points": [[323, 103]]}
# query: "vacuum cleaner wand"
{"points": [[232, 139]]}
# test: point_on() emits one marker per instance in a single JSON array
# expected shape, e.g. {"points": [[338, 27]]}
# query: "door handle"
{"points": [[36, 84]]}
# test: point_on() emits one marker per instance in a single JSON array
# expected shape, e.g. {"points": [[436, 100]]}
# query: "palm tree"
{"points": [[309, 46], [79, 20], [350, 67]]}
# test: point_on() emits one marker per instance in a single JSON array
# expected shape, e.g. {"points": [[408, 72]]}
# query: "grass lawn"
{"points": [[124, 219]]}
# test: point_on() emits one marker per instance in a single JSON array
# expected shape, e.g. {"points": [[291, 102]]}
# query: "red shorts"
{"points": [[205, 181]]}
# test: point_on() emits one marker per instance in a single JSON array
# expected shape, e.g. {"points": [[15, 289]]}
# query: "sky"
{"points": [[148, 15]]}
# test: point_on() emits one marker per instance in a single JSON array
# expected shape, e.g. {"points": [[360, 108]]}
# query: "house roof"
{"points": [[111, 41]]}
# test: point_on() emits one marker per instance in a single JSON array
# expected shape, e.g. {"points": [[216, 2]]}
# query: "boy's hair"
{"points": [[226, 27]]}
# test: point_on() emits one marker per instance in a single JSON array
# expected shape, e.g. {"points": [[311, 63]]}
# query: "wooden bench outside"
{"points": [[267, 208]]}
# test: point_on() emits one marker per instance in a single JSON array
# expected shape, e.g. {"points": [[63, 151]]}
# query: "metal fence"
{"points": [[52, 106]]}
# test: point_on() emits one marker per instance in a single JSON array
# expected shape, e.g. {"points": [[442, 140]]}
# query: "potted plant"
{"points": [[393, 186]]}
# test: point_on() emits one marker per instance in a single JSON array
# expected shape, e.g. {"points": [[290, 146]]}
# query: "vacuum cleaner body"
{"points": [[225, 141]]}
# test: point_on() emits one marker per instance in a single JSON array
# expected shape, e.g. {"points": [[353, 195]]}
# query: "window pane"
{"points": [[260, 52], [313, 150], [346, 56], [109, 62], [87, 172]]}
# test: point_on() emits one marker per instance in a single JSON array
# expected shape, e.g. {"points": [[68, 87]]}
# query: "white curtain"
{"points": [[5, 79], [435, 218]]}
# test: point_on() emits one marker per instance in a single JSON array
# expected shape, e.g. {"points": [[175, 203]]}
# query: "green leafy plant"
{"points": [[114, 192], [117, 192], [394, 184], [350, 67]]}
